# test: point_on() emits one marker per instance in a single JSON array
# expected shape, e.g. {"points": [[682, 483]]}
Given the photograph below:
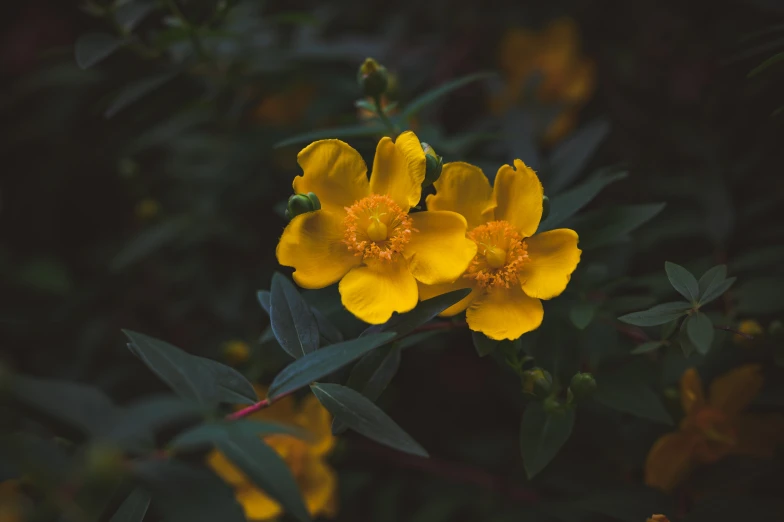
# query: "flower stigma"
{"points": [[500, 257], [377, 228]]}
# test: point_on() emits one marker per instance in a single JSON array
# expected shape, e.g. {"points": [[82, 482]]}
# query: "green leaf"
{"points": [[402, 324], [366, 105], [323, 362], [135, 91], [201, 380], [129, 14], [484, 345], [687, 346], [659, 314], [570, 156], [133, 508], [647, 347], [292, 321], [364, 417], [138, 423], [778, 57], [371, 375], [542, 434], [567, 204], [711, 279], [328, 331], [205, 435], [629, 394], [149, 241], [349, 131], [264, 298], [582, 313], [683, 281], [614, 224], [700, 331], [717, 291], [93, 47], [425, 99]]}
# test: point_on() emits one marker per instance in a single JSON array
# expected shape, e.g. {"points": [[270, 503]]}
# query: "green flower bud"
{"points": [[545, 207], [302, 203], [434, 164], [537, 382], [583, 385], [552, 405], [373, 78], [103, 462]]}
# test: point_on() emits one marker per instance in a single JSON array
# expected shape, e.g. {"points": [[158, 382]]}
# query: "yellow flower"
{"points": [[552, 58], [364, 236], [749, 327], [714, 428], [513, 268], [305, 458], [236, 351], [658, 518]]}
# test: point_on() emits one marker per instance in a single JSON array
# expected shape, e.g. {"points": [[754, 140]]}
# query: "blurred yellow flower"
{"points": [[147, 209], [305, 458], [714, 428], [658, 518], [364, 235], [748, 327], [236, 351], [552, 60], [13, 503], [513, 268]]}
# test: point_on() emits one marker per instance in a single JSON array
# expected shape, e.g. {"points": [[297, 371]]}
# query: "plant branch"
{"points": [[736, 332]]}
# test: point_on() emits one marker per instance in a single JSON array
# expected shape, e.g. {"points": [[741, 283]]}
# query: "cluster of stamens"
{"points": [[376, 228], [501, 254]]}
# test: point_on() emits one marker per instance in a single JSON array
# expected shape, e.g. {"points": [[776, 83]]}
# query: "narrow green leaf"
{"points": [[659, 314], [138, 423], [94, 47], [205, 435], [193, 378], [683, 281], [264, 298], [582, 314], [349, 131], [571, 156], [425, 99], [778, 57], [135, 91], [669, 328], [647, 347], [366, 105], [542, 434], [484, 345], [364, 417], [328, 331], [567, 204], [322, 362], [402, 324], [149, 241], [133, 508], [629, 394], [717, 291], [129, 14], [711, 279], [292, 321], [700, 331], [611, 225]]}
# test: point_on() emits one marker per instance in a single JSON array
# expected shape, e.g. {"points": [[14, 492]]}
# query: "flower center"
{"points": [[376, 228], [501, 255]]}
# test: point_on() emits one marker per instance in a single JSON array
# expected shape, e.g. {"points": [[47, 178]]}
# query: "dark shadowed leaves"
{"points": [[567, 204], [699, 328], [659, 314], [542, 434], [628, 393], [683, 281], [94, 47], [402, 324], [133, 508], [570, 157], [292, 321]]}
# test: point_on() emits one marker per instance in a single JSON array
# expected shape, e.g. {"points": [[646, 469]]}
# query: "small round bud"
{"points": [[552, 405], [103, 462], [583, 385], [434, 164], [373, 78], [236, 351], [537, 382], [749, 331], [302, 203], [545, 207]]}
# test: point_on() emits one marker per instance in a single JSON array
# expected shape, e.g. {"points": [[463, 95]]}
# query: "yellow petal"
{"points": [[464, 189], [316, 420], [429, 291], [553, 256], [373, 292], [257, 505], [334, 171], [399, 170], [504, 313], [669, 460], [319, 488], [759, 434], [733, 391], [518, 195], [692, 397], [312, 244], [225, 469], [438, 251]]}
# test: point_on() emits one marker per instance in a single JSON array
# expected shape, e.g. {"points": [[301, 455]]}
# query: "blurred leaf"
{"points": [[195, 378], [365, 105], [700, 331], [264, 300], [483, 344], [542, 434], [371, 375], [625, 392], [93, 47], [205, 435], [402, 324], [136, 90], [322, 362], [137, 424], [133, 508], [425, 99], [47, 275], [129, 14], [778, 57], [292, 321], [717, 291], [571, 156], [610, 225], [659, 314], [349, 131], [150, 240], [518, 132], [683, 281], [582, 313], [567, 204], [358, 413], [762, 295], [646, 347], [711, 279], [758, 258]]}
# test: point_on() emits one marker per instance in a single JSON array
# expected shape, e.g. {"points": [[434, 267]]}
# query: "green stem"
{"points": [[384, 118]]}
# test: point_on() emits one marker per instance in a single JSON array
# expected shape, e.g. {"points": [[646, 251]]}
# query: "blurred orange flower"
{"points": [[305, 458], [286, 107], [714, 428], [550, 60], [658, 518]]}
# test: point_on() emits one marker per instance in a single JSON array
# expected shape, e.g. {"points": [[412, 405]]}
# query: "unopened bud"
{"points": [[434, 165], [582, 386], [104, 462], [302, 203], [373, 78], [537, 382], [552, 405], [236, 352], [545, 207]]}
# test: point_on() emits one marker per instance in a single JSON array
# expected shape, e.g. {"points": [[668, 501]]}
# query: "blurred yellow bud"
{"points": [[751, 329], [434, 163], [658, 518], [147, 209], [104, 462], [373, 78], [236, 351]]}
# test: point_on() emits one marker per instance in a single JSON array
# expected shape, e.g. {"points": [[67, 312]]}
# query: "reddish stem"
{"points": [[736, 332], [253, 408]]}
